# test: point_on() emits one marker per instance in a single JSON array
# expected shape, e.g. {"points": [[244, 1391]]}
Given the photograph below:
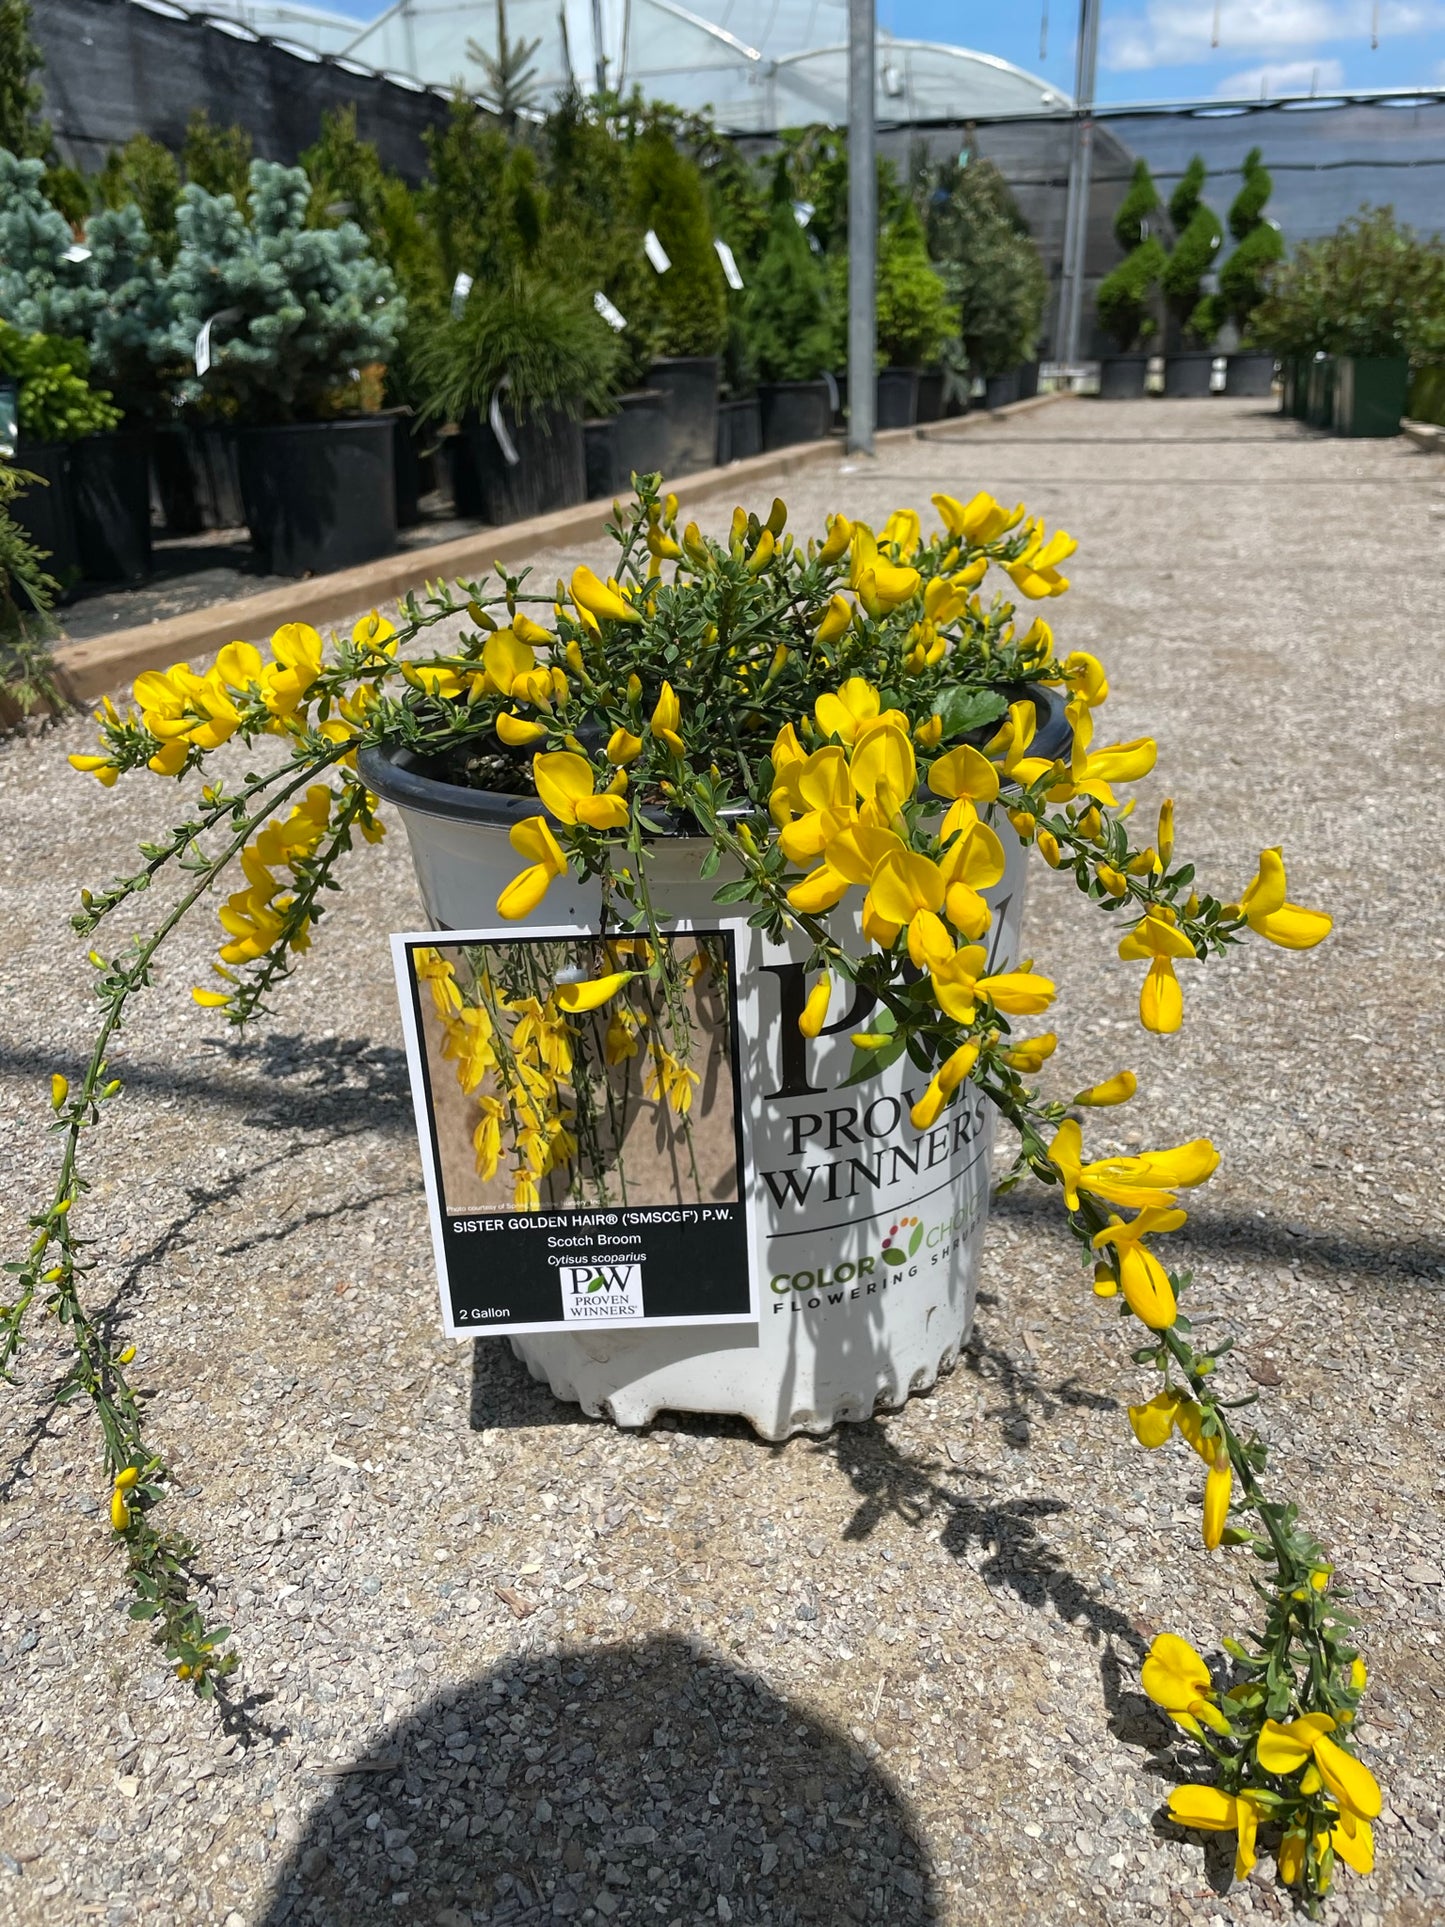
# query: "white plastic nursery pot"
{"points": [[869, 1231]]}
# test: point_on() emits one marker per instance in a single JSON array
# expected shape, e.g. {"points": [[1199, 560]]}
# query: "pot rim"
{"points": [[400, 776]]}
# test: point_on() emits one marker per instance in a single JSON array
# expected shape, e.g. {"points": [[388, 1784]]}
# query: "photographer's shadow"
{"points": [[626, 1783]]}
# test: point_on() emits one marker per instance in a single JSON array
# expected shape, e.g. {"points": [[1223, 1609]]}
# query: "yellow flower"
{"points": [[815, 1010], [531, 838], [941, 1086], [1035, 571], [1030, 1054], [1095, 773], [1285, 1749], [883, 766], [1218, 1484], [1161, 1002], [623, 747], [964, 771], [565, 785], [1176, 1678], [667, 719], [1021, 993], [979, 521], [1265, 910], [843, 714], [1353, 1839], [840, 534], [1084, 677], [1290, 1860], [1150, 1178], [600, 601], [1114, 1090], [903, 531], [578, 998], [100, 767], [516, 730], [836, 619], [1210, 1811], [1142, 1279], [210, 999]]}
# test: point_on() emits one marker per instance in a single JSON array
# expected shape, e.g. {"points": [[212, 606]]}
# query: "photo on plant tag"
{"points": [[565, 1072]]}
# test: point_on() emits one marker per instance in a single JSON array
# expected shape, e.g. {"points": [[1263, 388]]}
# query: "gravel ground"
{"points": [[505, 1664]]}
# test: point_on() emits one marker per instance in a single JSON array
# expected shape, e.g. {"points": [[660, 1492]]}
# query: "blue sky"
{"points": [[1161, 49]]}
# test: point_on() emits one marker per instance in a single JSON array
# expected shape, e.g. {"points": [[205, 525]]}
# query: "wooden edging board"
{"points": [[106, 664]]}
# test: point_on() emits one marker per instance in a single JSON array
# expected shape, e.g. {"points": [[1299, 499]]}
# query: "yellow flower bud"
{"points": [[119, 1510], [1112, 881], [815, 1011], [1049, 849], [127, 1477], [59, 1089], [1106, 1285], [1024, 824], [124, 1358], [1165, 837]]}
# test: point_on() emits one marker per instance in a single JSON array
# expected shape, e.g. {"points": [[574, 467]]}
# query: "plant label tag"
{"points": [[832, 381], [729, 264], [611, 315], [75, 252], [657, 254], [803, 212], [584, 1127], [461, 288], [497, 423], [203, 346]]}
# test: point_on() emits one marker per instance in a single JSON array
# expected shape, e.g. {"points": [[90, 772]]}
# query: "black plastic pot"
{"points": [[794, 411], [930, 395], [740, 429], [1370, 393], [689, 383], [406, 467], [1320, 393], [550, 471], [1122, 377], [631, 442], [1028, 373], [1249, 373], [897, 398], [319, 495], [110, 490], [1187, 376], [174, 483], [46, 513], [1294, 387], [1001, 391]]}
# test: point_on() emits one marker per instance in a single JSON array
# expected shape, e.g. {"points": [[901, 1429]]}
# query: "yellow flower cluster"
{"points": [[1322, 1797]]}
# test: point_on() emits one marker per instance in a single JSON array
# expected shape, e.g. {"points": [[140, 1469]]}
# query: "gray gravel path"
{"points": [[887, 1676]]}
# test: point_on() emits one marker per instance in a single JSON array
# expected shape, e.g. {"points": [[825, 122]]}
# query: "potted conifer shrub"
{"points": [[991, 268], [688, 299], [286, 328], [518, 367], [50, 290], [1189, 363], [1124, 301], [788, 334], [915, 317]]}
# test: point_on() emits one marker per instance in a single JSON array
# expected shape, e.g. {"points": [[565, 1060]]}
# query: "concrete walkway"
{"points": [[504, 1664]]}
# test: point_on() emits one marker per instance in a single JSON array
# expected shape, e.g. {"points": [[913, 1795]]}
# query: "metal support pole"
{"points": [[1081, 160], [599, 48], [862, 229]]}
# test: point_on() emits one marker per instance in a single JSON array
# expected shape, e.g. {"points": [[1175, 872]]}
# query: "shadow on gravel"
{"points": [[634, 1783], [1385, 1261]]}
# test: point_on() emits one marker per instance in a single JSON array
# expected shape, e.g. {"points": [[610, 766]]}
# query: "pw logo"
{"points": [[592, 1294]]}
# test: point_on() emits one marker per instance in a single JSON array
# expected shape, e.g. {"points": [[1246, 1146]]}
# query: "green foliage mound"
{"points": [[543, 338], [690, 299], [55, 399], [1373, 287]]}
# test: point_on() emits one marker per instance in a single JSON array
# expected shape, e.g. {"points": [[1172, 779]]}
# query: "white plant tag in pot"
{"points": [[613, 316], [499, 427], [729, 264], [461, 288], [657, 254]]}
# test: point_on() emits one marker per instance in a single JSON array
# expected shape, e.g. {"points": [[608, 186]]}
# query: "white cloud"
{"points": [[1283, 77], [1179, 33]]}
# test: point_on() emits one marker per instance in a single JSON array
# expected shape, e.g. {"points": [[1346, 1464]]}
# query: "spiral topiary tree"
{"points": [[1259, 246], [1198, 237], [1124, 307], [295, 311]]}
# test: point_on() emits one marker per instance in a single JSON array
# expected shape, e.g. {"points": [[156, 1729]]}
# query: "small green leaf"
{"points": [[893, 1256]]}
